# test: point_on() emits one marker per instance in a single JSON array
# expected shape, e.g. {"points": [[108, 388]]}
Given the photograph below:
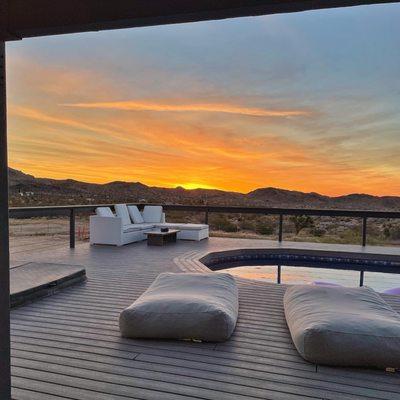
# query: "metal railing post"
{"points": [[5, 373], [364, 231], [280, 231], [72, 228], [206, 218], [278, 277], [361, 278]]}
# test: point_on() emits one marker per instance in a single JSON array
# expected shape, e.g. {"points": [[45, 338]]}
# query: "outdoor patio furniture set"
{"points": [[129, 225]]}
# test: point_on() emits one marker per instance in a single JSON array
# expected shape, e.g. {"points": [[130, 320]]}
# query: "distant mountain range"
{"points": [[27, 190]]}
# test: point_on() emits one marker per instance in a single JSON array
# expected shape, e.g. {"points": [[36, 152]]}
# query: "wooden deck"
{"points": [[68, 346]]}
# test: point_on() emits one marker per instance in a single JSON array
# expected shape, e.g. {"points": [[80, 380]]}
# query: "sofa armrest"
{"points": [[105, 230]]}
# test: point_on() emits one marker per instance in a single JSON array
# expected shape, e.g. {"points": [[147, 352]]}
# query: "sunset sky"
{"points": [[307, 101]]}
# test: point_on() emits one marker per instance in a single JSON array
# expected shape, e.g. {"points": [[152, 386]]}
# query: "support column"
{"points": [[5, 379]]}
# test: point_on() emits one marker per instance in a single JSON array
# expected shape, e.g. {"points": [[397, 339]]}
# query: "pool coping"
{"points": [[344, 260]]}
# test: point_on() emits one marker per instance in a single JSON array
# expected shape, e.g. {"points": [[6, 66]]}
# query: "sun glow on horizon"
{"points": [[192, 186]]}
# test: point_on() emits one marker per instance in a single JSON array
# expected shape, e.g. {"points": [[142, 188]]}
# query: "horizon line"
{"points": [[209, 188]]}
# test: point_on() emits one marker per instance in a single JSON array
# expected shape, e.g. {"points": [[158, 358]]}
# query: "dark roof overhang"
{"points": [[30, 18]]}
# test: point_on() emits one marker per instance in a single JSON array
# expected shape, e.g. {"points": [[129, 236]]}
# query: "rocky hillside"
{"points": [[27, 190], [274, 197]]}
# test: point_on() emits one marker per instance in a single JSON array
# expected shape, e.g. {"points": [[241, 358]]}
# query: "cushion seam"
{"points": [[357, 334]]}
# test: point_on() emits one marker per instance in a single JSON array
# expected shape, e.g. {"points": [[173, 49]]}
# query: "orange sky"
{"points": [[162, 119], [157, 151]]}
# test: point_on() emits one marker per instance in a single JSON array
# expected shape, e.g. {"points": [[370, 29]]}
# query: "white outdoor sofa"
{"points": [[129, 225]]}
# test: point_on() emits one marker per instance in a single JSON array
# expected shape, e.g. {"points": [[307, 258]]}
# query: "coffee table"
{"points": [[158, 238]]}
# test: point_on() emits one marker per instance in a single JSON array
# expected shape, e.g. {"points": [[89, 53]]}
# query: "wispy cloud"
{"points": [[191, 107], [39, 116]]}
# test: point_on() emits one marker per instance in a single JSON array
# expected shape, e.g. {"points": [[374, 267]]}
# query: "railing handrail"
{"points": [[220, 209], [71, 211]]}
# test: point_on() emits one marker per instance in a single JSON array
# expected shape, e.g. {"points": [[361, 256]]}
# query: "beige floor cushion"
{"points": [[184, 306], [343, 326]]}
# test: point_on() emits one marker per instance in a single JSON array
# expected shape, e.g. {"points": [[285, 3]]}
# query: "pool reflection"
{"points": [[304, 275]]}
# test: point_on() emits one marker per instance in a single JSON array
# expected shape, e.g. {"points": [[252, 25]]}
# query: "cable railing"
{"points": [[71, 212]]}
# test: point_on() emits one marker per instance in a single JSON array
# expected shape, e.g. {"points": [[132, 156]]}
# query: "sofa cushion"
{"points": [[184, 306], [152, 214], [343, 326], [182, 227], [122, 212], [135, 215], [137, 227], [104, 212]]}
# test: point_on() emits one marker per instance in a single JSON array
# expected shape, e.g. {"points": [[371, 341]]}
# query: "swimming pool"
{"points": [[295, 266]]}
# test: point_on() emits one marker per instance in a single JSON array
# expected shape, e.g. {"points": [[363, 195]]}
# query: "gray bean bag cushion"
{"points": [[343, 326], [184, 306]]}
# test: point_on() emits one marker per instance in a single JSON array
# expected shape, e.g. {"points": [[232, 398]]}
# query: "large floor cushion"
{"points": [[184, 306], [343, 326]]}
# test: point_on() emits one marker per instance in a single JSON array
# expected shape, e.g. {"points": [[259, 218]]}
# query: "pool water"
{"points": [[303, 275]]}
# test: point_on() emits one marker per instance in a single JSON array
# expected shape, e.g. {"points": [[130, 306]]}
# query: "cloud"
{"points": [[39, 116], [191, 107]]}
